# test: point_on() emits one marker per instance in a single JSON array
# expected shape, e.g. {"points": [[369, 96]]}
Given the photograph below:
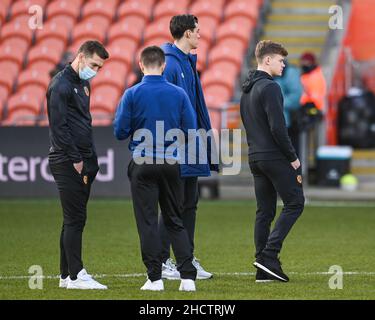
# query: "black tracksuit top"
{"points": [[68, 103], [263, 118]]}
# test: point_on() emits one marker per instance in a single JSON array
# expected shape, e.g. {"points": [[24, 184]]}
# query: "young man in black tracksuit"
{"points": [[72, 157], [272, 158]]}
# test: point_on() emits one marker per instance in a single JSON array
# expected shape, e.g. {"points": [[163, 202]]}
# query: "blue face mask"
{"points": [[87, 73]]}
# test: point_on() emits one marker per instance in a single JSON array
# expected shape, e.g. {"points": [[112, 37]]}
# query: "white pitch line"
{"points": [[340, 204], [137, 275]]}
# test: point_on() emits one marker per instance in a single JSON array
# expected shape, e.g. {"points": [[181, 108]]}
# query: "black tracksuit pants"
{"points": [[74, 190], [152, 184], [274, 177], [190, 186]]}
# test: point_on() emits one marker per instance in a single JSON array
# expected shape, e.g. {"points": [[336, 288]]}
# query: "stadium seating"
{"points": [[17, 28], [9, 72], [54, 30], [242, 8], [169, 8], [27, 56], [142, 9], [208, 8], [123, 49], [105, 98], [128, 27], [113, 73], [24, 102], [13, 49], [64, 12], [100, 8], [22, 7]]}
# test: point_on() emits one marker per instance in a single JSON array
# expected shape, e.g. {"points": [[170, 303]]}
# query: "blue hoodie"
{"points": [[181, 70], [154, 99]]}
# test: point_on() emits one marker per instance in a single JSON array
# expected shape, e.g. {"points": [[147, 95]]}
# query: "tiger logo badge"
{"points": [[85, 179], [299, 179], [86, 91]]}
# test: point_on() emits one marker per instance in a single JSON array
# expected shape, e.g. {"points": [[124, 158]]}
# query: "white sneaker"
{"points": [[169, 270], [64, 282], [157, 285], [187, 285], [201, 273], [85, 281]]}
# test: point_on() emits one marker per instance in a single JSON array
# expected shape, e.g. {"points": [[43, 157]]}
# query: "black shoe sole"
{"points": [[271, 273]]}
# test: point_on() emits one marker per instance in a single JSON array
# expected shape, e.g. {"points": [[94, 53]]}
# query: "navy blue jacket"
{"points": [[181, 71], [154, 99]]}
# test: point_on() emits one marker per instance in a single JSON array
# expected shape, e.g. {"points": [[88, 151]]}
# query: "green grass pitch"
{"points": [[325, 235]]}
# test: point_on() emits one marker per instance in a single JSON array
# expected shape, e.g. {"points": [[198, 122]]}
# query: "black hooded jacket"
{"points": [[68, 99], [262, 115]]}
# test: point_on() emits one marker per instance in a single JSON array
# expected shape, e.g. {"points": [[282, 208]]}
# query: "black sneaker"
{"points": [[272, 267], [262, 277]]}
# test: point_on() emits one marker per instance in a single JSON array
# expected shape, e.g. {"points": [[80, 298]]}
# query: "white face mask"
{"points": [[87, 73]]}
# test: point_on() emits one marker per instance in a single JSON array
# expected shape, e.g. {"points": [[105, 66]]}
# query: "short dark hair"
{"points": [[90, 47], [268, 47], [152, 56], [180, 23]]}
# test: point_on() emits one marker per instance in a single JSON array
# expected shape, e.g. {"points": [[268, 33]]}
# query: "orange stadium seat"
{"points": [[75, 45], [131, 79], [17, 28], [238, 28], [9, 72], [53, 29], [21, 7], [20, 117], [45, 53], [169, 8], [23, 101], [68, 21], [244, 8], [226, 67], [42, 66], [53, 43], [122, 50], [216, 95], [202, 53], [142, 9], [220, 76], [94, 27], [13, 49], [68, 8], [228, 50], [215, 119], [207, 8], [113, 73], [103, 8], [104, 98], [157, 29], [157, 41], [34, 90], [33, 77], [130, 27], [207, 26]]}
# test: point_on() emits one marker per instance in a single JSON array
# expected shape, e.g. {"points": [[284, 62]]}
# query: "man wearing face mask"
{"points": [[72, 156]]}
